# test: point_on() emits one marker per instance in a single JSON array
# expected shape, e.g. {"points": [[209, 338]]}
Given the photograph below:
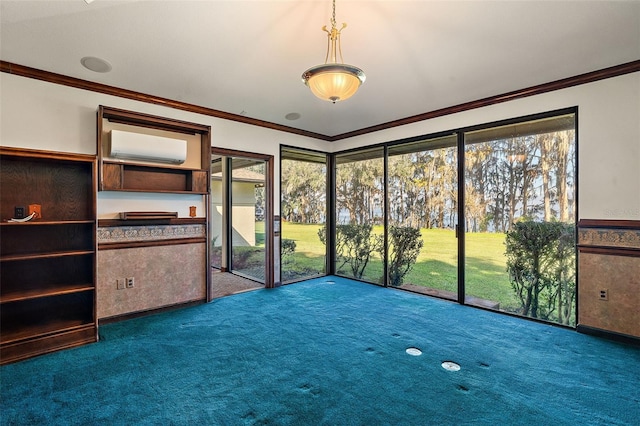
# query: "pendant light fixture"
{"points": [[333, 81]]}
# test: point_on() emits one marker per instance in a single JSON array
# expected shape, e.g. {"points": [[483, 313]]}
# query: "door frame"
{"points": [[269, 213]]}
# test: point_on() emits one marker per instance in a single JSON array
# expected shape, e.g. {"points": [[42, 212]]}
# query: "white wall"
{"points": [[608, 140], [243, 214], [39, 115]]}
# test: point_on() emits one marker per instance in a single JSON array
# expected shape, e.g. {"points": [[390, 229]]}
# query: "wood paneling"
{"points": [[103, 223], [154, 243], [111, 177], [199, 182]]}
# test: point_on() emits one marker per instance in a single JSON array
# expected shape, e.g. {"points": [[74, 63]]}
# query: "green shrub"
{"points": [[541, 266], [287, 250], [354, 246], [405, 244]]}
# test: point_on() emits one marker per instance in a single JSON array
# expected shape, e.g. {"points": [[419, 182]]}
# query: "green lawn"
{"points": [[308, 259], [260, 234], [436, 267]]}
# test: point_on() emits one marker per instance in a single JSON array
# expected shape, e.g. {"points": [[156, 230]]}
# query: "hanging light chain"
{"points": [[333, 18], [334, 50]]}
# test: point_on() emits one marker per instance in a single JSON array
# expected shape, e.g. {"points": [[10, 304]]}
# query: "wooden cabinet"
{"points": [[48, 264], [140, 176], [129, 177]]}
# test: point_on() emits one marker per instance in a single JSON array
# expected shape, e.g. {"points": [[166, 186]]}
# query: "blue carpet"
{"points": [[322, 353]]}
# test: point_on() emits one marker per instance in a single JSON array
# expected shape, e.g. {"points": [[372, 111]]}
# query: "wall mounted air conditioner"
{"points": [[142, 147]]}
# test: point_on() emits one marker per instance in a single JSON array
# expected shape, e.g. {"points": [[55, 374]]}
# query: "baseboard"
{"points": [[137, 314], [611, 335]]}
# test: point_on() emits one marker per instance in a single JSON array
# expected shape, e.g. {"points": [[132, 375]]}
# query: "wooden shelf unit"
{"points": [[133, 176], [47, 265], [137, 178]]}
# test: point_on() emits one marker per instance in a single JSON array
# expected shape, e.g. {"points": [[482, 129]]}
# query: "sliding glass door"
{"points": [[217, 212], [422, 216], [303, 212], [359, 215], [520, 218], [241, 211], [484, 216], [248, 218]]}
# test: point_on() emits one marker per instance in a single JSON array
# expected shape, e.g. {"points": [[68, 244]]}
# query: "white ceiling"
{"points": [[246, 57]]}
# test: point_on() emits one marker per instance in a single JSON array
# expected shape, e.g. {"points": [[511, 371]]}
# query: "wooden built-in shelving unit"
{"points": [[145, 243], [135, 176], [48, 265]]}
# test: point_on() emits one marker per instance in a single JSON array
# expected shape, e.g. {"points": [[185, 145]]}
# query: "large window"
{"points": [[359, 192], [520, 218], [422, 194], [303, 211], [484, 216]]}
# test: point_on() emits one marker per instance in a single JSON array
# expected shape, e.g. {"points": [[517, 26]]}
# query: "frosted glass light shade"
{"points": [[333, 82]]}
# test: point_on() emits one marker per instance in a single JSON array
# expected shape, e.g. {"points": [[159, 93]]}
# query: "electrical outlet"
{"points": [[120, 282], [18, 212], [604, 294], [130, 282]]}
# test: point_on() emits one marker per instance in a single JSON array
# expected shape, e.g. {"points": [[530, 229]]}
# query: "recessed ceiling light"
{"points": [[292, 116], [96, 64]]}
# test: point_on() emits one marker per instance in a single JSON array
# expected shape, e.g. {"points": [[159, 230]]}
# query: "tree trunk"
{"points": [[545, 150], [561, 176], [536, 286]]}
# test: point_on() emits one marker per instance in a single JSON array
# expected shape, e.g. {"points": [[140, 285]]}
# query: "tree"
{"points": [[401, 186], [405, 244], [359, 189], [546, 152], [303, 191], [477, 166], [541, 266], [564, 141]]}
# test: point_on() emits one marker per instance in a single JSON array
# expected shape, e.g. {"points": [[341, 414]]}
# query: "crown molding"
{"points": [[50, 77], [590, 77]]}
